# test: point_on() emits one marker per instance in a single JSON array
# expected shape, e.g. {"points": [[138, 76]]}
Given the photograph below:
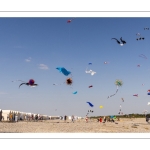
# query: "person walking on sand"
{"points": [[72, 118], [65, 117], [100, 119], [104, 119], [86, 119]]}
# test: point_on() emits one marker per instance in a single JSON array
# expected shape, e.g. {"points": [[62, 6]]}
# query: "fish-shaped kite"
{"points": [[75, 92], [90, 104]]}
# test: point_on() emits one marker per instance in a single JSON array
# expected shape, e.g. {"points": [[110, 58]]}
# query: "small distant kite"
{"points": [[143, 56], [146, 28], [75, 92], [63, 70], [138, 34], [90, 63], [135, 95], [148, 103], [90, 86], [91, 72], [69, 21], [56, 84], [90, 104], [141, 38], [106, 62], [122, 99], [29, 83], [121, 44], [90, 111], [100, 106], [138, 65]]}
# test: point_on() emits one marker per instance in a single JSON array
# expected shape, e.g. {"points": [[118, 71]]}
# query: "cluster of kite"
{"points": [[139, 37], [90, 71], [146, 28], [69, 80]]}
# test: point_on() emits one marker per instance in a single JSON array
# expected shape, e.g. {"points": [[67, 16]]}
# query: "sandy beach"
{"points": [[136, 125]]}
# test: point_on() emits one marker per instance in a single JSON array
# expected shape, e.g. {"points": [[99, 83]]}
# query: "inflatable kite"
{"points": [[69, 81], [100, 106], [63, 70], [30, 83], [90, 86], [90, 104], [75, 92], [135, 95]]}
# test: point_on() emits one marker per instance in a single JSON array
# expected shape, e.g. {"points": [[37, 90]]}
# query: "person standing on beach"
{"points": [[1, 115], [100, 119], [65, 117], [72, 118], [86, 119]]}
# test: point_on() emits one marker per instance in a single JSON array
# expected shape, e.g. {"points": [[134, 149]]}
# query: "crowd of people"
{"points": [[102, 119]]}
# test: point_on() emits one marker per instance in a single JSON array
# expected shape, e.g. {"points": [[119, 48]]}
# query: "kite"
{"points": [[30, 83], [148, 90], [141, 38], [100, 106], [148, 93], [148, 103], [91, 72], [63, 70], [135, 95], [146, 28], [90, 104], [90, 86], [69, 21], [106, 62], [122, 99], [90, 111], [121, 44], [75, 92], [69, 81], [143, 56], [56, 84], [138, 65], [118, 83], [138, 34]]}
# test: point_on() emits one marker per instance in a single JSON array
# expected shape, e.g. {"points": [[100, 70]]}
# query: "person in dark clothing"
{"points": [[65, 118]]}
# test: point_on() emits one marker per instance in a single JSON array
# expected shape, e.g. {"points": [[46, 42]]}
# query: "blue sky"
{"points": [[53, 43]]}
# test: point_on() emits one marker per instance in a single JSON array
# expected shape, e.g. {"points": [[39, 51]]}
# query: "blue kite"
{"points": [[63, 70], [90, 104], [90, 63], [75, 92]]}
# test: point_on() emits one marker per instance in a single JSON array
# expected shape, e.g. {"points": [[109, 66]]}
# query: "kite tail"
{"points": [[113, 94]]}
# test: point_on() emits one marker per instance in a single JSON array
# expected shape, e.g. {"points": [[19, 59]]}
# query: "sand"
{"points": [[137, 125]]}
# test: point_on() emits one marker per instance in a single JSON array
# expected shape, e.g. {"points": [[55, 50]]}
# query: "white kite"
{"points": [[91, 72]]}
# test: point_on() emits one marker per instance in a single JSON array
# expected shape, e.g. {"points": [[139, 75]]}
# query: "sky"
{"points": [[32, 48]]}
